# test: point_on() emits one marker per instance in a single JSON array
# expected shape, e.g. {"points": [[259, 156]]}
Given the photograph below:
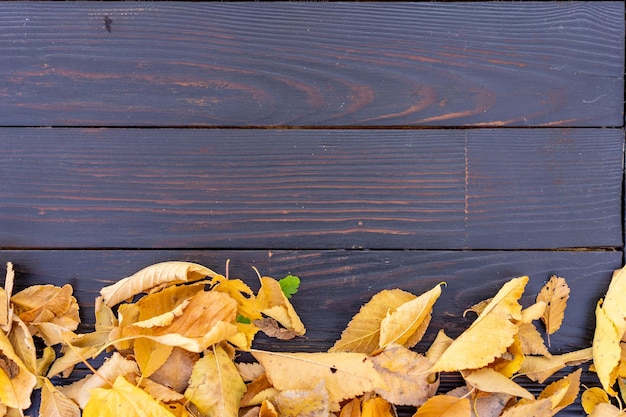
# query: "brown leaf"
{"points": [[531, 340], [271, 328], [376, 407], [537, 408], [540, 368], [176, 370], [272, 302], [258, 391], [55, 404], [555, 294]]}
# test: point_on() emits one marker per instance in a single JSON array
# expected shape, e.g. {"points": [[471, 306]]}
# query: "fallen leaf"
{"points": [[408, 322], [540, 368], [153, 276], [215, 387], [123, 400], [536, 408], [562, 392], [533, 312], [484, 404], [376, 407], [440, 344], [351, 408], [531, 340], [6, 311], [445, 406], [271, 328], [591, 397], [160, 392], [176, 370], [16, 382], [555, 294], [345, 374], [55, 404], [606, 349], [606, 410], [272, 302], [510, 361], [258, 391], [241, 293], [406, 375], [303, 403], [489, 335], [488, 380], [268, 410], [362, 334]]}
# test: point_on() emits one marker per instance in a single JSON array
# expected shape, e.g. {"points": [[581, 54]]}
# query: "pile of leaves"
{"points": [[174, 333]]}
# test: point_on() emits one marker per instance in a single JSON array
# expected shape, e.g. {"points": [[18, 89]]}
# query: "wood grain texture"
{"points": [[336, 283], [312, 64], [299, 189]]}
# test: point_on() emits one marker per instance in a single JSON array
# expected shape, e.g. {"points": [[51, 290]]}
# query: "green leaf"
{"points": [[289, 285], [243, 319]]}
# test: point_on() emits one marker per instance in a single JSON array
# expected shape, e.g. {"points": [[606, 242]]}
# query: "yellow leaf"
{"points": [[376, 407], [606, 349], [123, 400], [406, 375], [363, 332], [490, 334], [16, 382], [555, 294], [111, 369], [488, 380], [150, 355], [215, 387], [153, 276], [241, 293], [534, 312], [345, 374], [268, 410], [56, 404], [592, 397], [606, 410], [408, 322], [41, 303], [511, 360], [258, 391], [23, 344], [6, 311], [536, 408], [160, 392], [303, 403], [439, 345], [272, 302], [562, 392], [540, 368], [445, 406], [614, 301]]}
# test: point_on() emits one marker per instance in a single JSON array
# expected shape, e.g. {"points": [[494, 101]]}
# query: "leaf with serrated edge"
{"points": [[56, 404], [606, 349], [160, 274], [490, 334], [401, 325], [363, 332], [345, 374], [555, 294], [562, 392], [488, 380], [540, 368]]}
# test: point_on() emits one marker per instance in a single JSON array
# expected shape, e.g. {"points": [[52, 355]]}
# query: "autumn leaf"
{"points": [[488, 380], [406, 375], [591, 397], [555, 294], [153, 276], [376, 407], [56, 404], [531, 340], [258, 391], [16, 382], [540, 368], [241, 293], [489, 335], [351, 408], [272, 302], [345, 374], [123, 400], [537, 408], [160, 392], [215, 387], [303, 403], [408, 322], [562, 392], [483, 404], [606, 410], [176, 370], [6, 311], [363, 332], [445, 406], [610, 329]]}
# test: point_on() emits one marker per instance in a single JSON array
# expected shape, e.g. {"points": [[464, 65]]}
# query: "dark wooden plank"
{"points": [[304, 64], [298, 189], [336, 283]]}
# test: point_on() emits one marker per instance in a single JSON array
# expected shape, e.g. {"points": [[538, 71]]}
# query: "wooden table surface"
{"points": [[361, 146]]}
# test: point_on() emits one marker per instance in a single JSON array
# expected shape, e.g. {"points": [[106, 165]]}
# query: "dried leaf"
{"points": [[258, 391], [483, 404], [272, 302], [610, 329], [555, 294], [606, 410], [6, 311], [439, 345], [16, 382], [408, 322], [540, 368], [55, 404], [363, 332], [488, 380], [215, 387], [406, 375], [376, 407], [241, 293], [271, 328], [531, 340], [176, 370], [537, 408], [153, 276], [445, 406], [490, 334], [345, 374], [303, 403], [510, 361], [592, 397], [160, 392], [351, 409], [533, 312], [123, 400], [562, 392]]}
